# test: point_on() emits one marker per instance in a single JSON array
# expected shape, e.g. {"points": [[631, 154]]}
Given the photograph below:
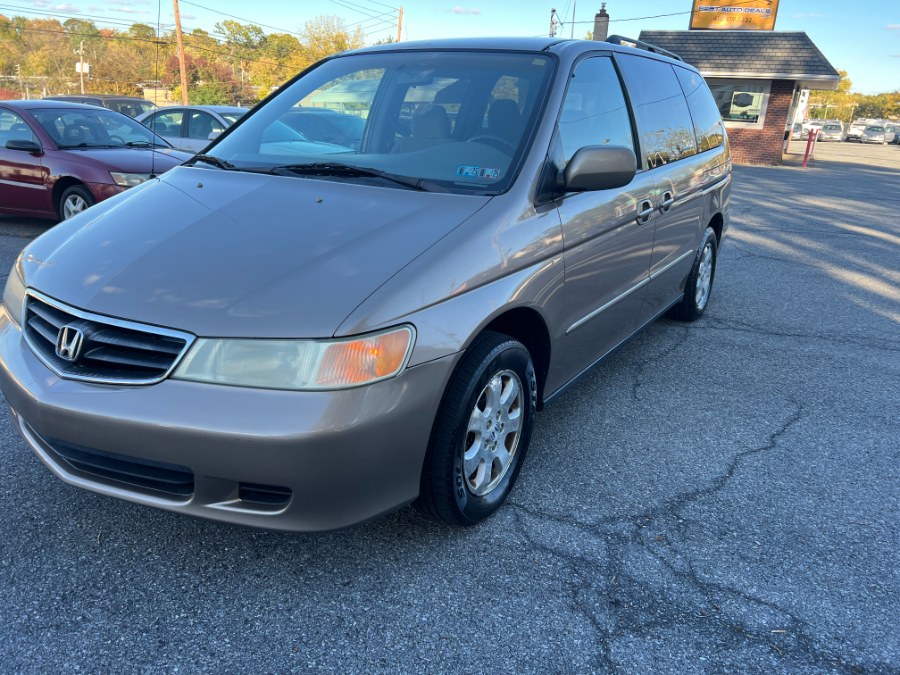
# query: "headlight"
{"points": [[300, 365], [129, 179], [14, 293]]}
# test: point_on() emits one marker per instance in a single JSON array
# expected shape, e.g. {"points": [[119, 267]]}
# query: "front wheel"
{"points": [[698, 287], [481, 433], [73, 201]]}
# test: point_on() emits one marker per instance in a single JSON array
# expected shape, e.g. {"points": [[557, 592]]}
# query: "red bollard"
{"points": [[810, 146]]}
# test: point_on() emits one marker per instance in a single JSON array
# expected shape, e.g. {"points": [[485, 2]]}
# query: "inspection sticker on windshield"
{"points": [[477, 172]]}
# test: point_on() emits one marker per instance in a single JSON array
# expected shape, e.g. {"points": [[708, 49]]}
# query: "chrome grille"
{"points": [[111, 351]]}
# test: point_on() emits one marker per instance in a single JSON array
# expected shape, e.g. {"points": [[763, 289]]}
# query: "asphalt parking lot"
{"points": [[718, 496]]}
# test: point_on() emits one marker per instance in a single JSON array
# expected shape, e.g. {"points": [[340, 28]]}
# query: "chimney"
{"points": [[601, 24]]}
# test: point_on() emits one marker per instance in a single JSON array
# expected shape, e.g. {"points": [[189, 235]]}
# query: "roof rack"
{"points": [[631, 42]]}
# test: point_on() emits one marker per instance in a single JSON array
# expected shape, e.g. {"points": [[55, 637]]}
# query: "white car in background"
{"points": [[191, 128], [856, 130], [832, 132]]}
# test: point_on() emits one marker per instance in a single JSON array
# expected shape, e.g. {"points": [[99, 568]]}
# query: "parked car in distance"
{"points": [[855, 131], [877, 133], [297, 335], [326, 126], [191, 128], [831, 132], [809, 125], [57, 158], [127, 105], [894, 128], [798, 132]]}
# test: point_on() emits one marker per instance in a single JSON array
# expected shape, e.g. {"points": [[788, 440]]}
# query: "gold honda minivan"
{"points": [[301, 335]]}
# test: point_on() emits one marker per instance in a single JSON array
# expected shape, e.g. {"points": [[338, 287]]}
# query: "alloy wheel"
{"points": [[493, 432]]}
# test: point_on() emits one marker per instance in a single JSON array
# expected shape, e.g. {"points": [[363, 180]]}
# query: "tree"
{"points": [[834, 104], [243, 42], [327, 35], [277, 61]]}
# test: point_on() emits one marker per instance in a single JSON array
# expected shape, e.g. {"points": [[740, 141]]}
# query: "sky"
{"points": [[861, 37]]}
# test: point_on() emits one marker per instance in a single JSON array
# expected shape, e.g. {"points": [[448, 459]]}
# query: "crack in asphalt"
{"points": [[793, 262], [641, 367], [733, 325], [630, 599]]}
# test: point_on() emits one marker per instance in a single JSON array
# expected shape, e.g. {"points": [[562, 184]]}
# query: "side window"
{"points": [[168, 123], [708, 127], [201, 125], [664, 123], [594, 112], [14, 128]]}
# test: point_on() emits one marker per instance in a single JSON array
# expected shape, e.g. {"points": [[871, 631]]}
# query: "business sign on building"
{"points": [[734, 15]]}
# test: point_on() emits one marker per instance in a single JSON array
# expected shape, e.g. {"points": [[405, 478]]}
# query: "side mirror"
{"points": [[213, 135], [599, 167], [23, 145]]}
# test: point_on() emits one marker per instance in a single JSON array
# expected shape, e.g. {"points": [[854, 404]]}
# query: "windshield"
{"points": [[232, 117], [832, 127], [875, 129], [131, 108], [455, 121], [95, 128]]}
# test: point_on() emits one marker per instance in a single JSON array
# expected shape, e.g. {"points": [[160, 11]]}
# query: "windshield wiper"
{"points": [[144, 144], [212, 159], [347, 171], [86, 146]]}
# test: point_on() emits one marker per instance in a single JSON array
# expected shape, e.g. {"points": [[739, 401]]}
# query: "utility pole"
{"points": [[400, 24], [184, 92], [81, 65], [572, 34], [553, 22]]}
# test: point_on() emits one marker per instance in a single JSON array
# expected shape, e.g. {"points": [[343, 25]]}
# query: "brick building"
{"points": [[756, 78]]}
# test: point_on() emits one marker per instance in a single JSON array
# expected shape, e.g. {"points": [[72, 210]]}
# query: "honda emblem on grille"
{"points": [[69, 342]]}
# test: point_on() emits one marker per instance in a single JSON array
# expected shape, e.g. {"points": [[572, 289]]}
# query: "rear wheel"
{"points": [[73, 201], [699, 282], [481, 433]]}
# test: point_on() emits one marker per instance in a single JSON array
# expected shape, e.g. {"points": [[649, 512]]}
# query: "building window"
{"points": [[742, 103]]}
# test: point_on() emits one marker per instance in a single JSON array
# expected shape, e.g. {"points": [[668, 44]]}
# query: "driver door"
{"points": [[22, 186], [608, 244]]}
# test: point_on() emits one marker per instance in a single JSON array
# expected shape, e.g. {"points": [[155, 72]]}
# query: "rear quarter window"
{"points": [[665, 128], [708, 127]]}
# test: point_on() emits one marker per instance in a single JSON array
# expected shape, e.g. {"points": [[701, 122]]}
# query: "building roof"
{"points": [[746, 54]]}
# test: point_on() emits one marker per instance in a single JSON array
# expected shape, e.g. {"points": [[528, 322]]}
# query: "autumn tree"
{"points": [[280, 58], [327, 35], [836, 104]]}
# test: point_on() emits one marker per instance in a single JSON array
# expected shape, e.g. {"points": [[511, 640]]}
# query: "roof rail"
{"points": [[631, 42]]}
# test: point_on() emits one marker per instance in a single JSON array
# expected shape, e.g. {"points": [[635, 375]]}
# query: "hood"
{"points": [[229, 254], [129, 160]]}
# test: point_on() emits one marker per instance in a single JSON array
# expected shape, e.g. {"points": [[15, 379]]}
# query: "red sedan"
{"points": [[57, 159]]}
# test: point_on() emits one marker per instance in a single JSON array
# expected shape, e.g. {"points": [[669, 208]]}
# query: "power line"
{"points": [[73, 15], [130, 38], [250, 21]]}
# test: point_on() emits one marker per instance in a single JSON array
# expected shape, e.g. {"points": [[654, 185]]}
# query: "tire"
{"points": [[460, 490], [74, 200], [699, 283]]}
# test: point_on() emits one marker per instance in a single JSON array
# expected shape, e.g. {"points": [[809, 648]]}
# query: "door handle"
{"points": [[668, 200], [645, 210]]}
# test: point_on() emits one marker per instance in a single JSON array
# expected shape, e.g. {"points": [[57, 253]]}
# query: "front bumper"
{"points": [[344, 456], [103, 191]]}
